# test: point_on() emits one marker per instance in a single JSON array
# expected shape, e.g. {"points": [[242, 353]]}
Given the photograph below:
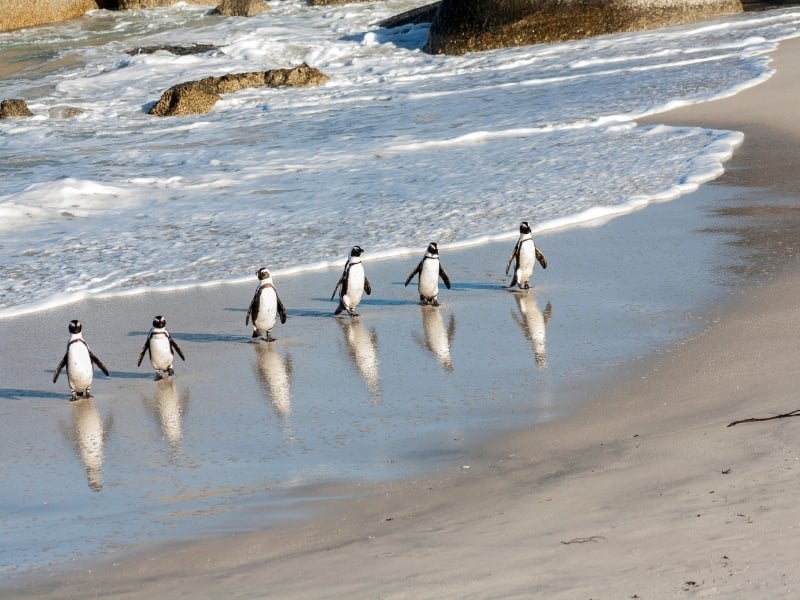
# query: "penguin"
{"points": [[353, 282], [161, 347], [78, 360], [526, 253], [430, 270], [265, 307]]}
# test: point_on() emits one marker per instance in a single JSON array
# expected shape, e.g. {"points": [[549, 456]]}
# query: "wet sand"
{"points": [[643, 491]]}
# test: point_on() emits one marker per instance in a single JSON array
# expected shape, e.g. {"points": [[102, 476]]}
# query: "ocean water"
{"points": [[398, 149]]}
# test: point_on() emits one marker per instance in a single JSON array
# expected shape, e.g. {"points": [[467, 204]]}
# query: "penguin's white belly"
{"points": [[527, 258], [160, 354], [429, 279], [79, 368], [267, 310], [355, 286]]}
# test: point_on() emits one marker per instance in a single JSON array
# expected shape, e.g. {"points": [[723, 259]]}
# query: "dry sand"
{"points": [[644, 493]]}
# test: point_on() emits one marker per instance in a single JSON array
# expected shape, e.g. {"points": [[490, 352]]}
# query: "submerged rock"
{"points": [[199, 97], [473, 25], [240, 8], [176, 50], [64, 112], [14, 108]]}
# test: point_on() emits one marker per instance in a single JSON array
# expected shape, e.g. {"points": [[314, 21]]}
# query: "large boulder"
{"points": [[199, 97], [241, 8], [17, 14], [13, 107], [473, 25]]}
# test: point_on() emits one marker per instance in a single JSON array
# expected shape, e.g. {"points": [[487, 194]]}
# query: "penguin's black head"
{"points": [[159, 321], [262, 273], [356, 251], [75, 326], [524, 227], [433, 248]]}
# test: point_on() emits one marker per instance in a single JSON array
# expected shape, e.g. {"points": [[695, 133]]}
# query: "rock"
{"points": [[423, 14], [199, 97], [140, 4], [332, 2], [14, 108], [17, 14], [176, 50], [473, 25], [64, 112], [241, 8]]}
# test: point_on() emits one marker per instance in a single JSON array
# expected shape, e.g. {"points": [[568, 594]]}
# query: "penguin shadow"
{"points": [[362, 349], [20, 394], [274, 373], [87, 434], [533, 322], [207, 338], [313, 312], [169, 407], [469, 286], [437, 338]]}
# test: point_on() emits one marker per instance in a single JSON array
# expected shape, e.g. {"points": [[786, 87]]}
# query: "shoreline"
{"points": [[643, 490]]}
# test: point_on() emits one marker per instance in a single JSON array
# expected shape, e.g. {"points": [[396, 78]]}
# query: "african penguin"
{"points": [[526, 254], [265, 307], [353, 282], [430, 270], [78, 360], [161, 347]]}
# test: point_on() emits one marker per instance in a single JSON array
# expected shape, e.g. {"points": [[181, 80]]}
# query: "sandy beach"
{"points": [[643, 491]]}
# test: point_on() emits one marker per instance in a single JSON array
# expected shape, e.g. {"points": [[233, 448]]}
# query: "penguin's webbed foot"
{"points": [[74, 396], [171, 371], [159, 376], [526, 286], [255, 333]]}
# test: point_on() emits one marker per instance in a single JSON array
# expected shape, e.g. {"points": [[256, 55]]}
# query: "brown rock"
{"points": [[241, 8], [17, 14], [140, 4], [14, 108], [198, 97], [473, 25]]}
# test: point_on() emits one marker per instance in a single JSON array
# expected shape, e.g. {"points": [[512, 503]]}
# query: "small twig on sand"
{"points": [[794, 413], [583, 540]]}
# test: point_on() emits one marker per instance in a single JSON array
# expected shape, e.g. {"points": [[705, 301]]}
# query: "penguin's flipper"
{"points": [[173, 344], [514, 254], [416, 270], [540, 257], [444, 276], [60, 366], [253, 308], [145, 349], [367, 286], [98, 362], [281, 309]]}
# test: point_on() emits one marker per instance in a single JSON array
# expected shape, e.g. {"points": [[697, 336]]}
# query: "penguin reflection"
{"points": [[438, 338], [362, 347], [275, 374], [88, 434], [169, 408], [533, 323]]}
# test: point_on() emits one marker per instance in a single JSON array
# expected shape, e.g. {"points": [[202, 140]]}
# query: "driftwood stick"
{"points": [[794, 413]]}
